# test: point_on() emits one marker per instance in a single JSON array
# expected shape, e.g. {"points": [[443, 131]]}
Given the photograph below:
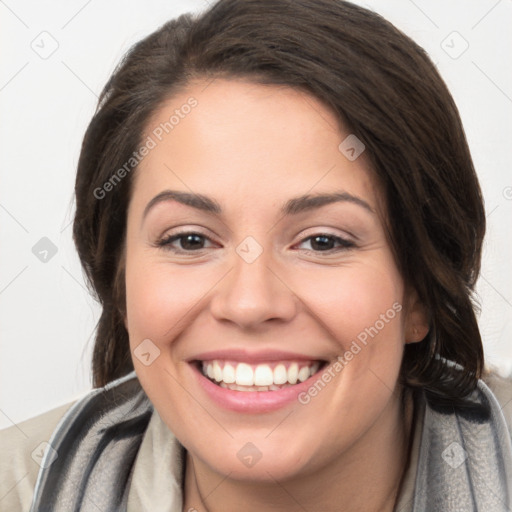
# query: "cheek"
{"points": [[351, 301], [360, 307], [159, 298]]}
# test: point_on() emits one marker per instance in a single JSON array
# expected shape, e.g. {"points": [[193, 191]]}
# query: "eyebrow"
{"points": [[291, 207]]}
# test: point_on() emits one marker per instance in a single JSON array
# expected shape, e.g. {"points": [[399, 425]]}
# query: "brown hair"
{"points": [[380, 84]]}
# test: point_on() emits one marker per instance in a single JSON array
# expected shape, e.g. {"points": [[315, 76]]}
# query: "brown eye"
{"points": [[326, 243], [187, 242], [191, 242]]}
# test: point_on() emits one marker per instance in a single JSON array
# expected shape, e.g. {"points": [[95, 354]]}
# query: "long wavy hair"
{"points": [[380, 84]]}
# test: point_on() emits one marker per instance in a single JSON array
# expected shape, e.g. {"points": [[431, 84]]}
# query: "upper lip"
{"points": [[245, 356]]}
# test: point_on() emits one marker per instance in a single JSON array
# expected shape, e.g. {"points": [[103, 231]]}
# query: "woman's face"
{"points": [[243, 275]]}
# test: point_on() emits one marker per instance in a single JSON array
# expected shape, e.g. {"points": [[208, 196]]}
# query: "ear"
{"points": [[416, 320]]}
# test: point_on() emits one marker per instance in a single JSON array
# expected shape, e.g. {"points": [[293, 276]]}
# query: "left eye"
{"points": [[325, 242]]}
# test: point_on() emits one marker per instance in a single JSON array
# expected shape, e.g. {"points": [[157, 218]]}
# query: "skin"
{"points": [[252, 148]]}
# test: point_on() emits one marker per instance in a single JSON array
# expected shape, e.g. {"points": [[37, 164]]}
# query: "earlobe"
{"points": [[416, 334], [417, 322]]}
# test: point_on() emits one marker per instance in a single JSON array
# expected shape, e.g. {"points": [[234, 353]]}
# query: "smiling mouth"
{"points": [[240, 376]]}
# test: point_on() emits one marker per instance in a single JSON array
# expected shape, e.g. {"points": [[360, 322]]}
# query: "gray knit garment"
{"points": [[465, 459]]}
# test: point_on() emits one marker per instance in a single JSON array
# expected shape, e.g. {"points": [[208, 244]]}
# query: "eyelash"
{"points": [[165, 243]]}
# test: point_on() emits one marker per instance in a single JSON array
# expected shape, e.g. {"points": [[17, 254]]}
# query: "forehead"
{"points": [[236, 140]]}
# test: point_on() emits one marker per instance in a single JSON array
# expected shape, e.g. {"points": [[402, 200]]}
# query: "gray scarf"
{"points": [[465, 459]]}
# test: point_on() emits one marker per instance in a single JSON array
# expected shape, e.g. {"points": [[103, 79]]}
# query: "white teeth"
{"points": [[293, 373], [314, 368], [303, 374], [217, 371], [228, 374], [244, 375], [280, 374], [261, 377]]}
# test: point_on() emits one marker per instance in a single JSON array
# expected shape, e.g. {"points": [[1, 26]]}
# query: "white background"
{"points": [[47, 317]]}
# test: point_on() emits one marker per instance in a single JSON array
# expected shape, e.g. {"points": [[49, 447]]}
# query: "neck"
{"points": [[366, 478]]}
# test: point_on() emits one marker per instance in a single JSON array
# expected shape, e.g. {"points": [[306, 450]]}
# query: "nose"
{"points": [[252, 293]]}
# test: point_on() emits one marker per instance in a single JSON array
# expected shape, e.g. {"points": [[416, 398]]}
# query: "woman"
{"points": [[278, 211]]}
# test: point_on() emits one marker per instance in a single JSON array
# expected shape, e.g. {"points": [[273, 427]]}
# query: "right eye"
{"points": [[189, 241]]}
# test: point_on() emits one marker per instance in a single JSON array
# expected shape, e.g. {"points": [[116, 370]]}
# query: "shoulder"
{"points": [[22, 447], [501, 387]]}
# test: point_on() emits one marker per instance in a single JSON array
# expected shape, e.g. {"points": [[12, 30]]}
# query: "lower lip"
{"points": [[252, 401]]}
